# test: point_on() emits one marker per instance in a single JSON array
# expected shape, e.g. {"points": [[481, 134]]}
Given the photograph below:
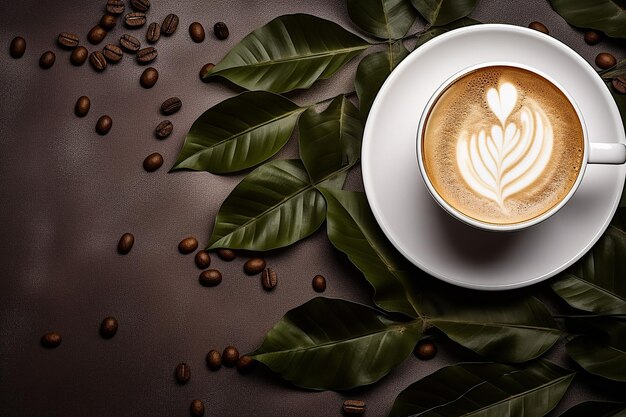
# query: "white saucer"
{"points": [[429, 237]]}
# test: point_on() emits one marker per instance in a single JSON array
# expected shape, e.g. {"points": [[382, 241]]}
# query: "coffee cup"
{"points": [[502, 146]]}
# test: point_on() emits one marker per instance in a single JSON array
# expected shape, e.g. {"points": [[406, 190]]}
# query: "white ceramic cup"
{"points": [[593, 153]]}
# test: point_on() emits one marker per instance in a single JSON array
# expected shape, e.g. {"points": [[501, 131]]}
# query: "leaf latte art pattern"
{"points": [[512, 154]]}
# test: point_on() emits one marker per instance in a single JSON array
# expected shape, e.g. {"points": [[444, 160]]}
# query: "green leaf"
{"points": [[604, 15], [385, 19], [433, 32], [372, 72], [331, 140], [238, 133], [596, 409], [336, 344], [618, 70], [485, 390], [353, 230], [442, 12], [290, 52]]}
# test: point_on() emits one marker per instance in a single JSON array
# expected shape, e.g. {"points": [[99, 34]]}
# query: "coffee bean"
{"points": [[83, 104], [226, 254], [108, 22], [213, 360], [18, 47], [153, 162], [104, 125], [51, 340], [126, 243], [245, 364], [619, 84], [171, 106], [196, 31], [96, 35], [269, 279], [115, 6], [204, 71], [254, 266], [605, 60], [98, 61], [112, 53], [210, 278], [79, 56], [164, 129], [319, 283], [182, 373], [154, 32], [146, 55], [140, 5], [130, 43], [68, 40], [170, 24], [230, 356], [108, 327], [149, 77], [592, 37], [539, 27], [221, 30], [196, 409], [353, 407], [425, 350], [47, 59], [203, 259], [135, 19], [188, 245]]}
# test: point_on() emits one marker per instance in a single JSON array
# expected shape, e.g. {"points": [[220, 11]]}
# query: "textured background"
{"points": [[67, 194]]}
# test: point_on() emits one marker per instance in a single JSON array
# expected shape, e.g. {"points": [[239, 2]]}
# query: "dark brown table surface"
{"points": [[67, 195]]}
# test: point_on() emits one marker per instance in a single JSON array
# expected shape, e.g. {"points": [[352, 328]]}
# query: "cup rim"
{"points": [[454, 212]]}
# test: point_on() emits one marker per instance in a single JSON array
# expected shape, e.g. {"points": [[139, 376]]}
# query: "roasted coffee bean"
{"points": [[112, 53], [153, 162], [154, 32], [108, 327], [196, 409], [221, 30], [130, 43], [51, 340], [319, 283], [269, 279], [182, 373], [213, 360], [171, 106], [140, 5], [245, 364], [83, 104], [135, 19], [425, 350], [68, 40], [98, 61], [230, 356], [210, 278], [226, 254], [619, 84], [149, 77], [170, 24], [18, 47], [188, 245], [79, 56], [115, 6], [254, 266], [47, 59], [605, 60], [104, 125], [108, 22], [539, 27], [196, 31], [353, 407], [203, 259], [126, 243], [592, 37], [96, 35], [164, 129], [146, 55], [204, 71]]}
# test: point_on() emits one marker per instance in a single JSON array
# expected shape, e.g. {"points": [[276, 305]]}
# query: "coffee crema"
{"points": [[502, 145]]}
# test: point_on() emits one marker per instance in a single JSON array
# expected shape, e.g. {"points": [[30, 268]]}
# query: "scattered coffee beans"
{"points": [[170, 24], [204, 71], [353, 407], [135, 19], [230, 356], [115, 6], [18, 47], [164, 129], [104, 125], [153, 162], [619, 84], [96, 35], [203, 259], [98, 61], [196, 409], [254, 266], [182, 373], [130, 43], [112, 53], [226, 254], [592, 37], [539, 27], [221, 30], [146, 55], [108, 22], [126, 243], [605, 60], [140, 5], [213, 360], [154, 32], [47, 59], [83, 104], [210, 278], [196, 31], [269, 279], [425, 350], [79, 56], [188, 245], [171, 106], [319, 283], [68, 40], [149, 77], [245, 364], [108, 327], [51, 340]]}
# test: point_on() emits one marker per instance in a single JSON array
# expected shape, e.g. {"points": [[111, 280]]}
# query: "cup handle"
{"points": [[607, 153]]}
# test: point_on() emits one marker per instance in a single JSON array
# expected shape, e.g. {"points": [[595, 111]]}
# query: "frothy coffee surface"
{"points": [[502, 145]]}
